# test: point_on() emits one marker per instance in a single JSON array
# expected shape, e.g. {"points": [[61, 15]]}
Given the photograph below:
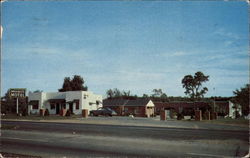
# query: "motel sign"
{"points": [[17, 93]]}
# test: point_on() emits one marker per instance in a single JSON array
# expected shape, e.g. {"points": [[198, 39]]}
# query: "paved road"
{"points": [[89, 140]]}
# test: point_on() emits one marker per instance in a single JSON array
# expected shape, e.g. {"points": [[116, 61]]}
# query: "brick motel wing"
{"points": [[75, 101], [138, 107]]}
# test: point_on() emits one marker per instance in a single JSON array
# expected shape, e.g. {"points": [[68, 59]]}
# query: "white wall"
{"points": [[52, 95], [74, 95], [35, 96], [231, 110], [89, 101], [85, 99], [150, 104]]}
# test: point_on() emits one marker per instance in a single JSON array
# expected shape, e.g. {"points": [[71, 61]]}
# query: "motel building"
{"points": [[138, 107], [75, 101]]}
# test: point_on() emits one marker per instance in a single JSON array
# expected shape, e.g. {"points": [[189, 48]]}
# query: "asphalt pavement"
{"points": [[92, 140]]}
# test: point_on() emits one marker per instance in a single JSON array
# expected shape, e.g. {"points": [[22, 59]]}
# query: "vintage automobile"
{"points": [[103, 112]]}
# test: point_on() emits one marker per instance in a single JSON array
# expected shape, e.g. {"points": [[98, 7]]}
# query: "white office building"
{"points": [[75, 101]]}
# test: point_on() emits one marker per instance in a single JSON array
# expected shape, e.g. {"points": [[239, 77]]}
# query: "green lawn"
{"points": [[239, 121], [37, 117], [229, 121], [12, 155]]}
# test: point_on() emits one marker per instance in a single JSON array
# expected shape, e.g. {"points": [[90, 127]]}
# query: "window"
{"points": [[64, 106], [52, 106], [126, 109], [136, 110], [35, 106], [34, 103]]}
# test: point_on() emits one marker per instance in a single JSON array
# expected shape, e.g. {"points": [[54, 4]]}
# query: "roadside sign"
{"points": [[17, 93]]}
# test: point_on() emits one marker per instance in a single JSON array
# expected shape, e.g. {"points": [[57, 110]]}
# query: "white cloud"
{"points": [[228, 43], [43, 50], [173, 54], [26, 52], [224, 33], [179, 53]]}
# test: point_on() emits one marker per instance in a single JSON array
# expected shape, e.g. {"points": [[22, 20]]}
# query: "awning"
{"points": [[73, 101], [33, 102], [56, 100]]}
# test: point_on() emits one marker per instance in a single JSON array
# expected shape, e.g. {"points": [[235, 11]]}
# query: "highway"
{"points": [[91, 140]]}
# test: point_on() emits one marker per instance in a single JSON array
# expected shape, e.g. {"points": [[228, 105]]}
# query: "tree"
{"points": [[157, 93], [116, 93], [66, 85], [126, 94], [242, 98], [110, 93], [145, 96], [164, 96], [193, 85], [76, 84]]}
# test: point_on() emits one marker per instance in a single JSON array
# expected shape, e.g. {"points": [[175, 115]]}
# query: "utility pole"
{"points": [[214, 101], [17, 105]]}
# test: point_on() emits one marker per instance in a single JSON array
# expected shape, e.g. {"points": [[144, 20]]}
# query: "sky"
{"points": [[129, 45]]}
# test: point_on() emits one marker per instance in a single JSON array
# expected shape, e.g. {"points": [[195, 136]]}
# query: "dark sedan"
{"points": [[102, 111]]}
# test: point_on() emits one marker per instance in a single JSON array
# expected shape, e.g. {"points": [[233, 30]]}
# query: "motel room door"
{"points": [[57, 108], [71, 107]]}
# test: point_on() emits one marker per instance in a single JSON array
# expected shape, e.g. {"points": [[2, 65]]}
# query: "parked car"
{"points": [[102, 111]]}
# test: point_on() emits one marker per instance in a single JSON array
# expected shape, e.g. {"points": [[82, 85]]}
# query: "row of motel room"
{"points": [[76, 101]]}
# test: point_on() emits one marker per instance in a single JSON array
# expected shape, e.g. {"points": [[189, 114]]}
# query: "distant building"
{"points": [[224, 108], [227, 108], [184, 107], [136, 107], [75, 101]]}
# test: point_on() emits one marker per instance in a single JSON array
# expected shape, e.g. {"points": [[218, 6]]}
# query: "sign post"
{"points": [[16, 93], [17, 105]]}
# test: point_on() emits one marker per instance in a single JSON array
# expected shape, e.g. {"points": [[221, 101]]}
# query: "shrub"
{"points": [[180, 116], [46, 112], [24, 112], [68, 113]]}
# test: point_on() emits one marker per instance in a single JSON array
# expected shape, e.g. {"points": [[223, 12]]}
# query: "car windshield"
{"points": [[109, 109]]}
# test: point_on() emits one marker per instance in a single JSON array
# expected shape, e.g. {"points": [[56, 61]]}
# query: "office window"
{"points": [[35, 106], [52, 106], [126, 109]]}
